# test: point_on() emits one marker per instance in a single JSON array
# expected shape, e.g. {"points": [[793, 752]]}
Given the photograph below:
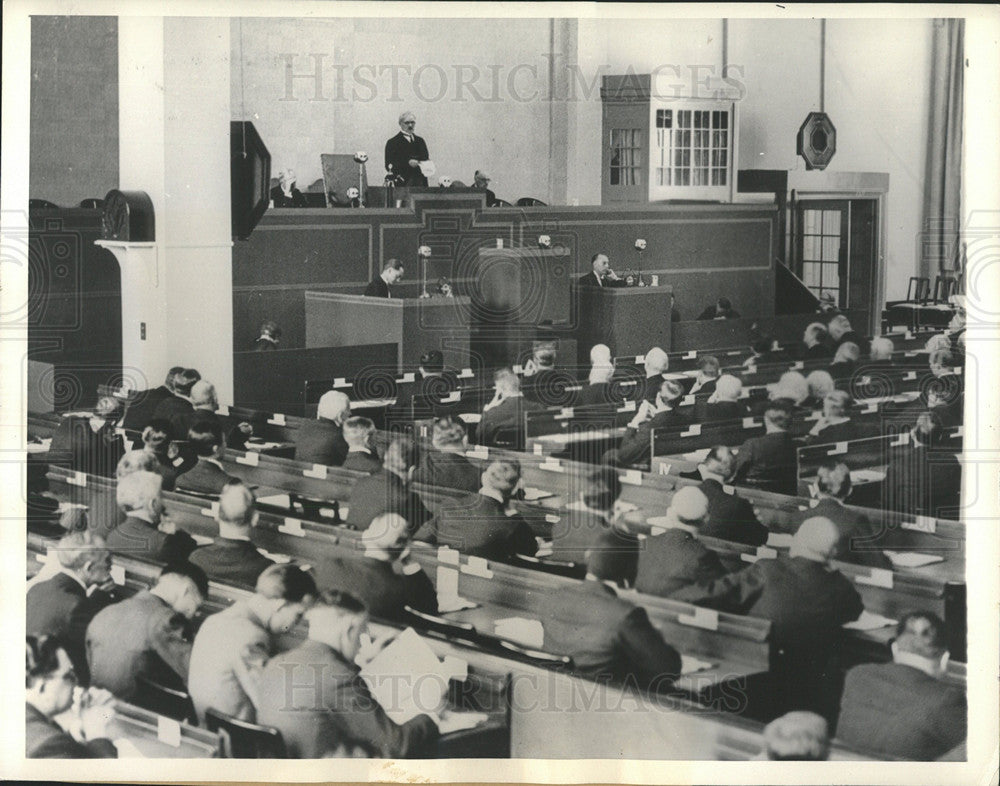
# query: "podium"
{"points": [[630, 320], [415, 325]]}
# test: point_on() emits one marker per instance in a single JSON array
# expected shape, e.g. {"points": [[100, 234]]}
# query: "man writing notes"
{"points": [[405, 152]]}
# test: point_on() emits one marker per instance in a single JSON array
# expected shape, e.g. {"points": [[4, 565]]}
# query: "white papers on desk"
{"points": [[407, 679], [867, 476], [202, 540], [869, 621], [459, 721], [779, 540], [127, 749], [697, 455], [520, 630], [690, 664], [470, 417], [39, 447], [277, 500], [544, 548], [911, 559], [262, 446], [531, 494], [454, 603], [281, 559], [372, 403]]}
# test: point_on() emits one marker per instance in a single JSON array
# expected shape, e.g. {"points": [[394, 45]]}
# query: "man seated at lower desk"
{"points": [[482, 524], [361, 455], [208, 475], [502, 423], [904, 708], [388, 490], [147, 634], [635, 448], [769, 462], [446, 465], [232, 646], [836, 425], [730, 517], [607, 637], [147, 532], [322, 441], [383, 576], [592, 525], [50, 684], [724, 403], [315, 696], [232, 557]]}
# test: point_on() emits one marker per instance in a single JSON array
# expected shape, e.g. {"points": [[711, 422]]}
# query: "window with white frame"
{"points": [[692, 150]]}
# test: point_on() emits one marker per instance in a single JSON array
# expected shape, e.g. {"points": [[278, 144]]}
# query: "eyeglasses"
{"points": [[409, 122]]}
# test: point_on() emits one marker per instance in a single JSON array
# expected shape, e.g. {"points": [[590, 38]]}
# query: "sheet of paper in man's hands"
{"points": [[401, 678]]}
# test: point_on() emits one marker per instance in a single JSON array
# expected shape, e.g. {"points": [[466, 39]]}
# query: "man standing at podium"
{"points": [[379, 286], [601, 274], [404, 153]]}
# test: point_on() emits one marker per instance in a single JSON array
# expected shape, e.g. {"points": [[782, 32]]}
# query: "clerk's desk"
{"points": [[415, 325], [629, 320]]}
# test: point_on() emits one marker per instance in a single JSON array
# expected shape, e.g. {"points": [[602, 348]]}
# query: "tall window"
{"points": [[692, 150], [821, 231], [626, 156]]}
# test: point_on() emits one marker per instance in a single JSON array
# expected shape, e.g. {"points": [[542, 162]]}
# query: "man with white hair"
{"points": [[502, 423], [674, 558], [807, 602], [146, 533], [323, 442], [814, 340], [905, 708], [405, 152], [797, 736], [881, 350], [836, 424], [655, 364], [285, 193], [383, 576], [599, 389], [635, 447], [724, 403], [232, 557], [730, 517]]}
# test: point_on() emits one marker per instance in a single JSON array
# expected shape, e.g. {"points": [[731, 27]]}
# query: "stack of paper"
{"points": [[911, 559], [407, 679], [531, 494], [530, 633], [869, 621], [690, 664]]}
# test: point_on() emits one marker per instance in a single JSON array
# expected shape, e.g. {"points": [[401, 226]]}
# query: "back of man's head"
{"points": [[205, 437], [156, 436], [833, 479], [136, 461], [836, 403], [820, 383], [358, 431], [333, 405], [203, 395], [236, 507], [797, 736], [401, 454], [728, 388], [689, 506], [656, 361], [138, 491], [815, 540], [506, 381], [922, 633], [791, 385], [184, 571], [545, 357], [928, 428], [848, 352], [392, 264], [432, 361], [386, 531], [881, 348], [78, 548], [670, 391], [814, 333], [600, 372], [778, 415], [448, 432], [602, 489], [184, 381], [724, 304], [600, 353], [286, 582], [719, 460], [502, 476], [838, 326], [171, 375], [762, 345]]}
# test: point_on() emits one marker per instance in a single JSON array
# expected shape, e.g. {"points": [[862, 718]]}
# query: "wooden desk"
{"points": [[629, 320], [139, 727]]}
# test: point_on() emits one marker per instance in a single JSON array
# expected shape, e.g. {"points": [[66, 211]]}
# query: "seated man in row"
{"points": [[147, 533], [482, 524], [205, 405], [207, 476], [502, 423], [322, 442], [179, 401], [359, 433], [88, 441], [232, 557], [635, 446], [724, 403], [140, 409], [388, 490], [599, 388], [147, 634], [703, 384], [836, 424], [446, 465], [770, 462], [730, 517]]}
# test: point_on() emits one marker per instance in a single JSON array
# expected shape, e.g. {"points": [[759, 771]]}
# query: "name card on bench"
{"points": [[318, 471], [552, 518], [277, 419], [564, 413], [518, 369], [292, 526], [628, 406], [222, 411], [466, 374], [118, 574], [407, 377], [749, 423], [537, 448], [451, 398], [779, 540], [478, 452], [77, 479], [694, 431], [640, 358], [840, 447], [551, 465], [251, 459], [901, 439], [910, 376], [797, 365], [168, 731], [701, 618], [340, 382], [926, 524], [880, 577], [690, 355], [477, 566], [632, 476], [211, 511], [448, 555]]}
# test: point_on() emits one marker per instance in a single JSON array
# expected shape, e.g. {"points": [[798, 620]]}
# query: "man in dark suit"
{"points": [[338, 710], [860, 540], [445, 465], [724, 403], [543, 383], [923, 476], [232, 646], [836, 425], [139, 410], [635, 447], [207, 476], [502, 423], [703, 384], [285, 193], [405, 152], [592, 525], [424, 397], [392, 271], [841, 332], [807, 602], [599, 388], [146, 533], [323, 442], [269, 338], [816, 342], [50, 681], [769, 462], [205, 404], [147, 633], [65, 604], [601, 274], [904, 708], [383, 577], [156, 442], [88, 442], [388, 491], [480, 524], [180, 402], [232, 557], [607, 637], [481, 180], [674, 558], [730, 517], [361, 456], [723, 309]]}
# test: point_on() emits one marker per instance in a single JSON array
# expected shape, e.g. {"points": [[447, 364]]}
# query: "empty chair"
{"points": [[529, 202], [245, 740], [163, 700]]}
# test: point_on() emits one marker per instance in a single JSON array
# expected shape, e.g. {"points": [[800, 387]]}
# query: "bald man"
{"points": [[807, 602], [323, 442]]}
